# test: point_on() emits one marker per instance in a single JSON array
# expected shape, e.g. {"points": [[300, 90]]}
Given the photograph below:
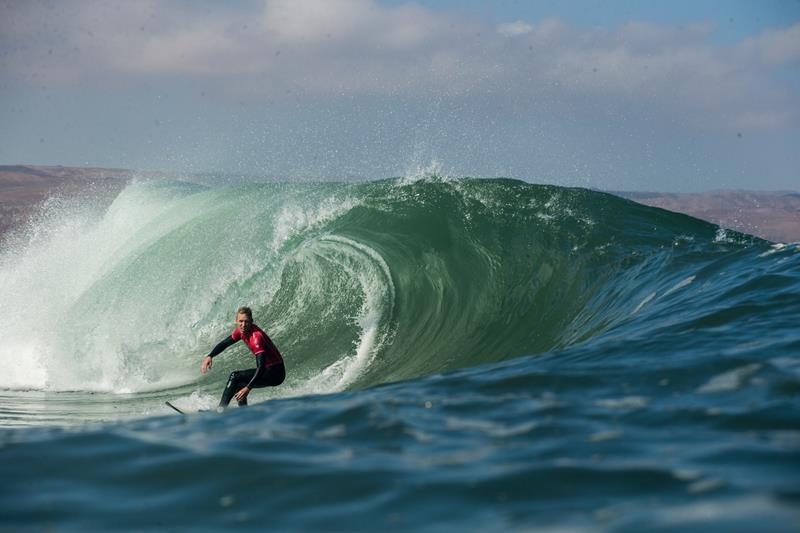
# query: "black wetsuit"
{"points": [[269, 372]]}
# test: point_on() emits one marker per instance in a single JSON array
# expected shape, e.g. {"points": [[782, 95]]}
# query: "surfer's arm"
{"points": [[261, 359], [221, 347], [218, 349]]}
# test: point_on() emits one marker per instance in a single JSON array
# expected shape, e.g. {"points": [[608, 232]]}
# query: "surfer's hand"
{"points": [[242, 394], [206, 364]]}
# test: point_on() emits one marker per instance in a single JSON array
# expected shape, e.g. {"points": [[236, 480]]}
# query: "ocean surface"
{"points": [[462, 354]]}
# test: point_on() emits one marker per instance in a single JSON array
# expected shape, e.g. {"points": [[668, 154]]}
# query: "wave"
{"points": [[357, 283]]}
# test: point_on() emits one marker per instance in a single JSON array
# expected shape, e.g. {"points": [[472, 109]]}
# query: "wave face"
{"points": [[359, 284], [475, 355]]}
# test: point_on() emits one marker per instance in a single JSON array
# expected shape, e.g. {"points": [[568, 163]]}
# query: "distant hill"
{"points": [[23, 188], [774, 216]]}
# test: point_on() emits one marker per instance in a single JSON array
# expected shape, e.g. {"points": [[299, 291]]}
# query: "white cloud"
{"points": [[515, 29], [775, 46], [673, 70], [316, 21], [351, 47]]}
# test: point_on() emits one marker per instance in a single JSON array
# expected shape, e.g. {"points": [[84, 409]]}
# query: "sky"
{"points": [[677, 96]]}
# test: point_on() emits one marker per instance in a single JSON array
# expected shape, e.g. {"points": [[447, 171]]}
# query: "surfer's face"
{"points": [[244, 322]]}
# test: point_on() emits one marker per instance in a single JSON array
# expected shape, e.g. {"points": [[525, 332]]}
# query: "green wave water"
{"points": [[468, 353], [359, 283]]}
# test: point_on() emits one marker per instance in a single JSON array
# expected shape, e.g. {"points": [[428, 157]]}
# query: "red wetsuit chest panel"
{"points": [[259, 342]]}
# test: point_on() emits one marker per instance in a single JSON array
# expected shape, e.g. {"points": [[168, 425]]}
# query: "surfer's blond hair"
{"points": [[244, 310]]}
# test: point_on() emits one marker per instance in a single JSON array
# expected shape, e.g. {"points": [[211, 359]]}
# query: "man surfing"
{"points": [[269, 371]]}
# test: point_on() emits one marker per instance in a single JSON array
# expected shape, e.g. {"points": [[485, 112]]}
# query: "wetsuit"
{"points": [[269, 371]]}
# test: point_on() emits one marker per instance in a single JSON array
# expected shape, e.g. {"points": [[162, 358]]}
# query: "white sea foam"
{"points": [[681, 284], [294, 219], [647, 299], [54, 319], [731, 380], [698, 514], [374, 277], [626, 403]]}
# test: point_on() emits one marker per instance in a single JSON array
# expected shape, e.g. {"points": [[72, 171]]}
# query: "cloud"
{"points": [[514, 29], [334, 48], [671, 69], [780, 46]]}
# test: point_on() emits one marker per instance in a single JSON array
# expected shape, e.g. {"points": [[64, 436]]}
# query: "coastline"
{"points": [[774, 216], [23, 188]]}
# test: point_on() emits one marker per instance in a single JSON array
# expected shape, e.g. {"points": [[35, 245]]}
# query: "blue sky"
{"points": [[734, 19], [619, 95]]}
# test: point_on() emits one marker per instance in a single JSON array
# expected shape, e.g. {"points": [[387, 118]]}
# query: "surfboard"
{"points": [[185, 411], [178, 410]]}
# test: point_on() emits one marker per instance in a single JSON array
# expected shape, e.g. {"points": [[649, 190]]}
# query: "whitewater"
{"points": [[462, 353]]}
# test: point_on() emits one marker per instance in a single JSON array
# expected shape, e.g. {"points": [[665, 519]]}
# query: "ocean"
{"points": [[462, 355]]}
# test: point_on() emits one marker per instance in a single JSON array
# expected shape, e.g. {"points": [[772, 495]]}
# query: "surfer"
{"points": [[269, 371]]}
